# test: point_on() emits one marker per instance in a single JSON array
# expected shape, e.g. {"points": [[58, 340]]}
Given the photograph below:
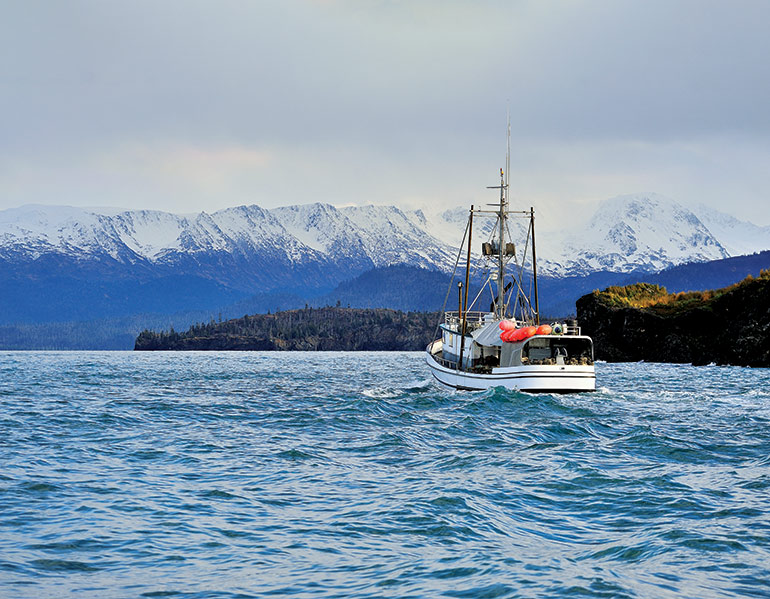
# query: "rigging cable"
{"points": [[449, 289]]}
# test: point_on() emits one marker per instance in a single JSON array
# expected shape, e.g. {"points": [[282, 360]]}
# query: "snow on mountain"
{"points": [[147, 233], [448, 225], [36, 230], [381, 235], [736, 236], [315, 225], [323, 228], [244, 229], [348, 240], [640, 232], [646, 232], [643, 232], [391, 237]]}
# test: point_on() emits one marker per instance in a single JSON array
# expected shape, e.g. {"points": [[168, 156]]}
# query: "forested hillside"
{"points": [[399, 287], [311, 329]]}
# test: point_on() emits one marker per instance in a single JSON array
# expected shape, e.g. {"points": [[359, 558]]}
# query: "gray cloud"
{"points": [[199, 105]]}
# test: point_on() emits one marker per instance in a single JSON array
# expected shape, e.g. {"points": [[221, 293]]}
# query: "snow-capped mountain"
{"points": [[736, 236], [391, 237], [125, 256], [449, 225], [630, 233], [63, 263], [246, 247], [640, 232]]}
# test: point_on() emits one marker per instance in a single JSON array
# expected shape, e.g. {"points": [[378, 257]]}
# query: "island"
{"points": [[308, 329], [643, 322]]}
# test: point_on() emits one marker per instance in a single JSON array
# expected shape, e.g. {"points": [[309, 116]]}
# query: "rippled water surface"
{"points": [[353, 475]]}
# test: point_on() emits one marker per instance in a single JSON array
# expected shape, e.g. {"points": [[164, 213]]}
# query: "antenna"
{"points": [[508, 151]]}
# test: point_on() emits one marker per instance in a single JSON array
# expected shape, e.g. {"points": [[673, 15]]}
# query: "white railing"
{"points": [[446, 363], [473, 320]]}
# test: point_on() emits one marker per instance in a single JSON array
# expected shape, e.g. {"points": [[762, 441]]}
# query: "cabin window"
{"points": [[449, 339]]}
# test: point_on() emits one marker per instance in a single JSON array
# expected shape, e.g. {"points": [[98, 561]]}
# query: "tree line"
{"points": [[308, 329]]}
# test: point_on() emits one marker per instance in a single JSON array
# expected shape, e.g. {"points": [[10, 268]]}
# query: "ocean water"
{"points": [[353, 475]]}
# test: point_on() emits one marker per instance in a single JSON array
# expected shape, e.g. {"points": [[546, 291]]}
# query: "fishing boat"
{"points": [[506, 346]]}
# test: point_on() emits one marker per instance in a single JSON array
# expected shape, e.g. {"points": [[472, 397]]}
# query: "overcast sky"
{"points": [[185, 105]]}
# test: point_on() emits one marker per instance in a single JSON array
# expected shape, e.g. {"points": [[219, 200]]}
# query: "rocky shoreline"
{"points": [[642, 322]]}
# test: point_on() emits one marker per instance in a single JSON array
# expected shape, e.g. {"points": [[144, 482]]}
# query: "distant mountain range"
{"points": [[406, 288], [249, 248], [66, 264]]}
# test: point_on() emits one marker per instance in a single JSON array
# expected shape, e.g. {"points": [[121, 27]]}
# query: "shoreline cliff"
{"points": [[642, 322]]}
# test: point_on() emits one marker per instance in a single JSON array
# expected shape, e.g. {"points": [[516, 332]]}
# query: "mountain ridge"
{"points": [[626, 233], [75, 262], [395, 287]]}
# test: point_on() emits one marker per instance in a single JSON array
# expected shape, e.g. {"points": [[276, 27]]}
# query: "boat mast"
{"points": [[502, 216], [534, 264], [464, 315], [501, 247]]}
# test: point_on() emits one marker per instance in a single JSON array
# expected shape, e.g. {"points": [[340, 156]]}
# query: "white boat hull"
{"points": [[533, 379]]}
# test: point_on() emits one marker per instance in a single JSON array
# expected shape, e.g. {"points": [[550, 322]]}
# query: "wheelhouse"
{"points": [[561, 350]]}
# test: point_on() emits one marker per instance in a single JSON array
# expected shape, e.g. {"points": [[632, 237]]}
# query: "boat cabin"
{"points": [[548, 350], [483, 350]]}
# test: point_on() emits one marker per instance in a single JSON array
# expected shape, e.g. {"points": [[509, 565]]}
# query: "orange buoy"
{"points": [[507, 325], [506, 335], [528, 332], [544, 329]]}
